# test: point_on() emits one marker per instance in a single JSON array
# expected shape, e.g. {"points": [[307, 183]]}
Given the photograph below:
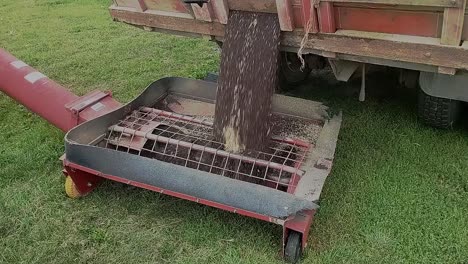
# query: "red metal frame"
{"points": [[87, 180], [310, 13], [90, 106], [326, 15], [295, 178], [86, 177], [300, 223]]}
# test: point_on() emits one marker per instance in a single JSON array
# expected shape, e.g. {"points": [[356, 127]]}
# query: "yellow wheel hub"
{"points": [[70, 188]]}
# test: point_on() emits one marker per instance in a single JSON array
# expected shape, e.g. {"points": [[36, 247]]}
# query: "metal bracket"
{"points": [[82, 103], [342, 69]]}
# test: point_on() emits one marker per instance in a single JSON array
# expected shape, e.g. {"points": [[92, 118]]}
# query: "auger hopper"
{"points": [[162, 141]]}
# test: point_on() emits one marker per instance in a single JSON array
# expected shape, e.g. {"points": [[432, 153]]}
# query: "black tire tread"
{"points": [[290, 77], [294, 243], [438, 112]]}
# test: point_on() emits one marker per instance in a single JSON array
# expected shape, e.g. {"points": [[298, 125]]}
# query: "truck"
{"points": [[425, 40]]}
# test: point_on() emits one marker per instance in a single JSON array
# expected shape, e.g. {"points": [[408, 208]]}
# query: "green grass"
{"points": [[398, 192]]}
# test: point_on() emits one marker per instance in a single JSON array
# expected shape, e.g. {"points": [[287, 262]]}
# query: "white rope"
{"points": [[307, 29]]}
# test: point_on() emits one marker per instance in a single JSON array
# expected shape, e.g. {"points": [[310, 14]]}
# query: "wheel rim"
{"points": [[70, 188]]}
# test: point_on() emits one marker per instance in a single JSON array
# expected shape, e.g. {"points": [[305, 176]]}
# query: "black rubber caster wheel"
{"points": [[293, 249]]}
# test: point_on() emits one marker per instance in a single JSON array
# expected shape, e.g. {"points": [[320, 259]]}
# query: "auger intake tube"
{"points": [[35, 91], [49, 99]]}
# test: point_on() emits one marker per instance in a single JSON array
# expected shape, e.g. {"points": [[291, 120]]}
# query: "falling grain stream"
{"points": [[248, 78]]}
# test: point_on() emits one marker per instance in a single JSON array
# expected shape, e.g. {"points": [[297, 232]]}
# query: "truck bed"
{"points": [[425, 35]]}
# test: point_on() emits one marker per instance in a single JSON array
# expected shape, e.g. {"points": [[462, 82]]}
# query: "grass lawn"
{"points": [[398, 192]]}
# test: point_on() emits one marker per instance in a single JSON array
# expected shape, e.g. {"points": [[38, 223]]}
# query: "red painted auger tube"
{"points": [[47, 98]]}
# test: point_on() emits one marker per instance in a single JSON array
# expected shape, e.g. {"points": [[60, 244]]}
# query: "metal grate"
{"points": [[187, 141]]}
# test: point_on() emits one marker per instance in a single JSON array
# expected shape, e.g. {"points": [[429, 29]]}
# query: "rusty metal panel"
{"points": [[416, 23], [416, 3], [326, 15]]}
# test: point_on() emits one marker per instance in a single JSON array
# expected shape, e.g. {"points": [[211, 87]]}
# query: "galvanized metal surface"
{"points": [[267, 197]]}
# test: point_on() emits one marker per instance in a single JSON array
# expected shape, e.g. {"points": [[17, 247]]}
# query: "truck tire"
{"points": [[438, 112], [291, 72]]}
